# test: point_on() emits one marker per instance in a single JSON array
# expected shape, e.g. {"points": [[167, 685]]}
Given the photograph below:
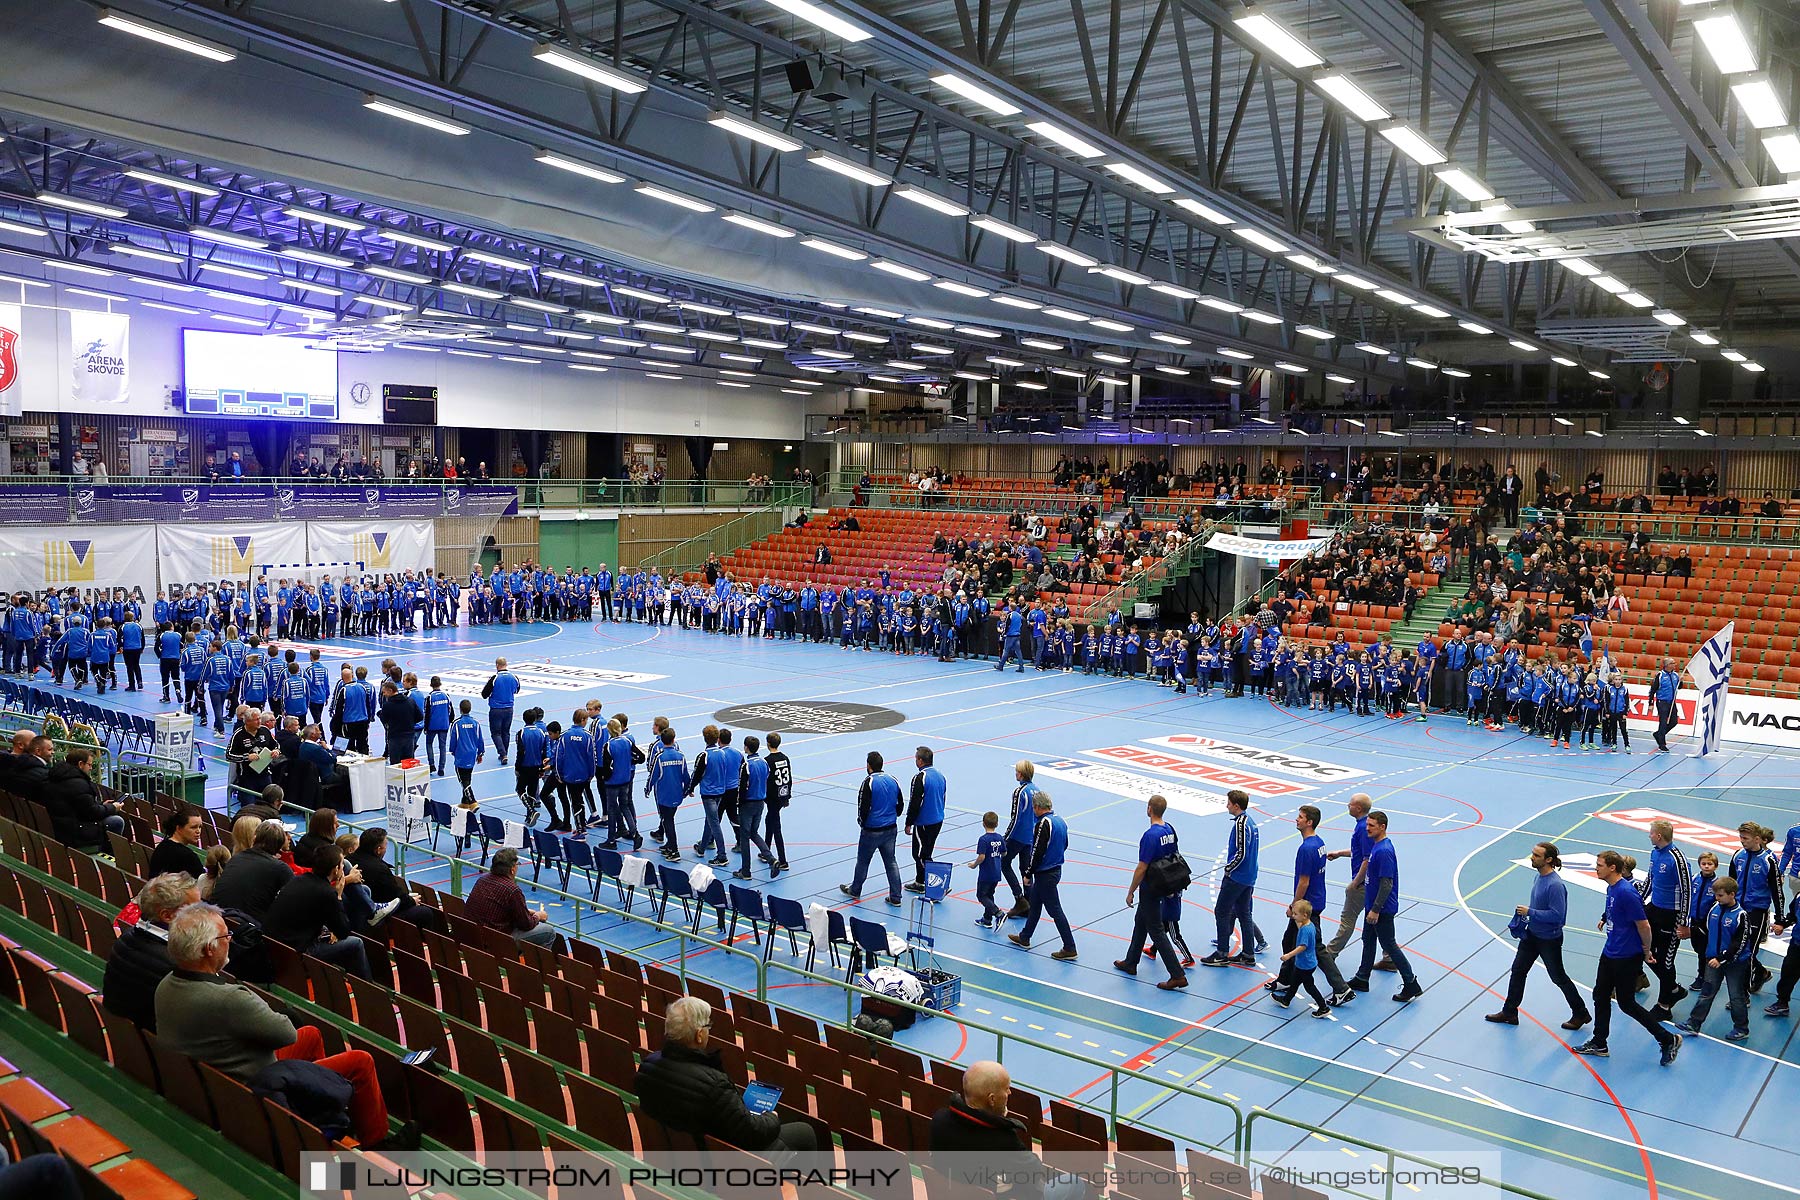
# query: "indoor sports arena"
{"points": [[504, 506]]}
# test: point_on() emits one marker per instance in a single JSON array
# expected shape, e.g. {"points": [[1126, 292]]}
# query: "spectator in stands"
{"points": [[141, 958], [78, 814], [10, 764], [822, 556], [385, 887], [497, 902], [976, 1128], [31, 773], [400, 718], [1771, 507], [44, 1176], [321, 831], [311, 904], [180, 848], [228, 1026], [254, 877], [684, 1088]]}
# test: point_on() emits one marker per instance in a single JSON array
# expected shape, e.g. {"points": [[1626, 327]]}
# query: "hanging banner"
{"points": [[327, 502], [77, 556], [382, 547], [191, 554], [410, 502], [100, 357], [33, 504], [12, 392], [1247, 547], [125, 504], [490, 501]]}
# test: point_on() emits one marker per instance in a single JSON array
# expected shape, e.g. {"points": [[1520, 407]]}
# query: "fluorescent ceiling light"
{"points": [[1430, 310], [1218, 305], [1227, 381], [1344, 379], [662, 375], [1424, 363], [1607, 283], [1078, 146], [379, 302], [234, 298], [711, 310], [1637, 300], [1725, 40], [1371, 348], [833, 249], [1357, 282], [397, 276], [821, 330], [575, 166], [1760, 102], [316, 257], [1704, 338], [1580, 266], [125, 23], [730, 383], [1313, 331], [131, 251], [1341, 88], [978, 331], [469, 289], [654, 349], [1000, 361], [1561, 361], [752, 359], [931, 323], [1228, 352], [1017, 302], [588, 69], [151, 281], [497, 260], [1166, 369], [56, 199], [75, 291], [762, 343], [1521, 344], [974, 376], [1784, 151], [1731, 356], [1042, 344], [1292, 368], [569, 277], [1133, 174], [1121, 274], [929, 348], [171, 181], [585, 367], [1066, 314], [712, 335], [539, 305], [1669, 318], [412, 239], [1103, 381], [1307, 262], [302, 213], [174, 308], [628, 343], [1115, 359], [224, 238], [900, 269], [961, 289], [1413, 144], [519, 358], [255, 322], [638, 293], [1058, 250], [925, 198], [1754, 367], [848, 169], [1066, 373], [758, 225], [816, 370], [751, 130], [675, 198], [974, 91], [1596, 375], [659, 327], [1464, 184], [1394, 297], [1205, 212], [1174, 291], [1472, 327], [872, 339], [1172, 340], [1261, 240], [1277, 39], [1011, 233], [823, 18], [1115, 326], [1032, 386], [1260, 317], [413, 116]]}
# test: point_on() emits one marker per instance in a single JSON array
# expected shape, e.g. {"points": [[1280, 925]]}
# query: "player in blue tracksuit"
{"points": [[193, 675], [1758, 876], [318, 686], [256, 685], [667, 782], [619, 758], [103, 644], [753, 785], [1238, 889], [1014, 625], [438, 718], [131, 649], [221, 677], [577, 759], [168, 659], [1476, 697], [72, 649], [533, 754], [467, 749], [499, 693], [1729, 955]]}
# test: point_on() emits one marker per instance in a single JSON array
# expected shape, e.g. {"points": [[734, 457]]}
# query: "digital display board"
{"points": [[250, 375]]}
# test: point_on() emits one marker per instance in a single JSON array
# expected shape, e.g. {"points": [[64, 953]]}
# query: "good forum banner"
{"points": [[198, 553], [100, 357], [77, 556], [381, 546]]}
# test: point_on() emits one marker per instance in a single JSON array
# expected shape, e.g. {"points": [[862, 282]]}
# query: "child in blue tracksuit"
{"points": [[467, 749], [1700, 905], [990, 848], [437, 725], [1478, 687]]}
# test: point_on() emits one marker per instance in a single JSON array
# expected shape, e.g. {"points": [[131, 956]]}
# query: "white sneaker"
{"points": [[383, 912]]}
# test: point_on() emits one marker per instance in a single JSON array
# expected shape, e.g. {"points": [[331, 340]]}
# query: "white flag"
{"points": [[12, 393], [1710, 669], [100, 357]]}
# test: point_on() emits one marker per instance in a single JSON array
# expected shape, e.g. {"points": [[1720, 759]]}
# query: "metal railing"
{"points": [[687, 493], [735, 534]]}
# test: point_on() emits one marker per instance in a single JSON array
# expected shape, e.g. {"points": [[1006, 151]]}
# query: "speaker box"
{"points": [[802, 75]]}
